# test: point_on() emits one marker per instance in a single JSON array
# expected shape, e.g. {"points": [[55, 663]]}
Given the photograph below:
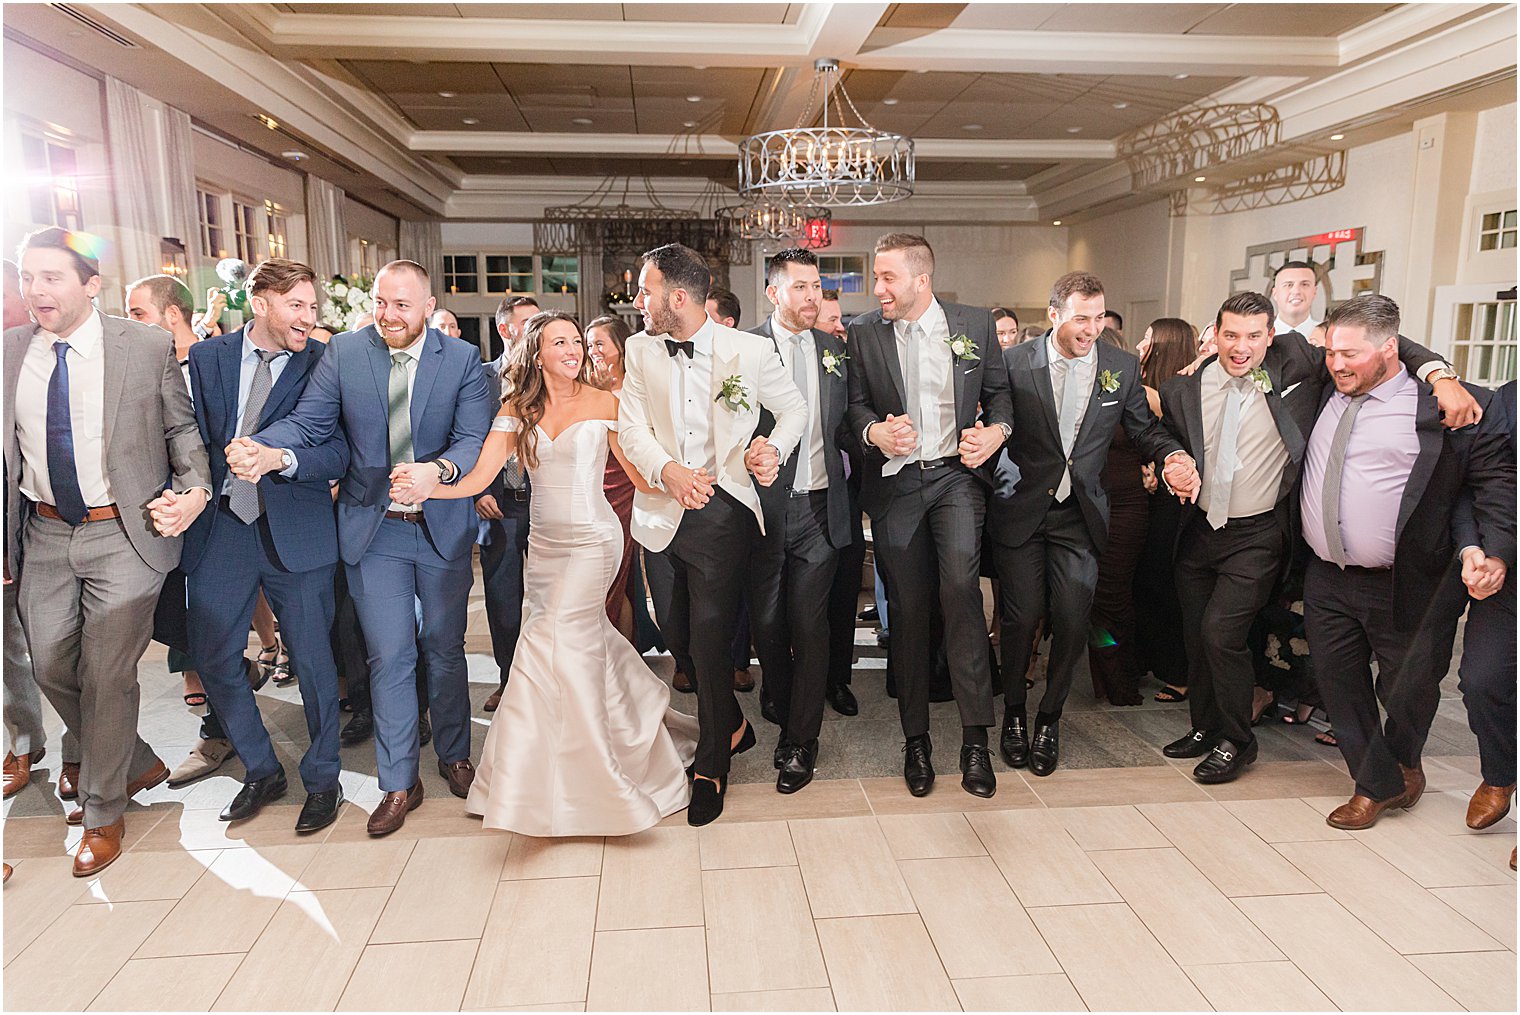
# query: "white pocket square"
{"points": [[968, 370], [1114, 402], [1289, 390]]}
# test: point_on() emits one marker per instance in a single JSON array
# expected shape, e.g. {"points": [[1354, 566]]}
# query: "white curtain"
{"points": [[423, 242], [182, 219], [133, 172], [326, 233]]}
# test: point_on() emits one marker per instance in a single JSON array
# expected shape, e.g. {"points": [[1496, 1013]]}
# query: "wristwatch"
{"points": [[443, 470], [286, 461], [1442, 373]]}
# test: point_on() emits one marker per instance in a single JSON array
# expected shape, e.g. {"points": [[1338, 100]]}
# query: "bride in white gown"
{"points": [[585, 741]]}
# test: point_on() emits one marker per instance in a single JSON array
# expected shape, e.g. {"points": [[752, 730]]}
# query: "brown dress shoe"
{"points": [[155, 774], [1512, 859], [98, 849], [1414, 787], [743, 681], [75, 816], [1361, 812], [68, 780], [8, 872], [1488, 805], [682, 683], [18, 771], [393, 809], [494, 701], [460, 774]]}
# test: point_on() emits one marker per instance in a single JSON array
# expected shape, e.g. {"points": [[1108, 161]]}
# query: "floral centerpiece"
{"points": [[234, 275], [348, 298]]}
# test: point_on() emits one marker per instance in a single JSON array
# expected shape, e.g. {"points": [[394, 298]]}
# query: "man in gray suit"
{"points": [[97, 418]]}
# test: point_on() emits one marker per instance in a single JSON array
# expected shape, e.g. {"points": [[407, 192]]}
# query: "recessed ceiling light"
{"points": [[1199, 179], [1073, 130], [446, 95], [584, 121], [922, 70], [699, 66], [971, 126], [470, 120], [1005, 165], [1337, 137], [889, 102], [1180, 77], [1056, 222], [688, 123], [268, 121], [693, 98], [1121, 105], [293, 156]]}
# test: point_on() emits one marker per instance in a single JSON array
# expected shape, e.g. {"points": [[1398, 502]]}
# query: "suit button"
{"points": [[1051, 492], [1069, 461]]}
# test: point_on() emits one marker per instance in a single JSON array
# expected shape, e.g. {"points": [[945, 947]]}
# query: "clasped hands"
{"points": [[1181, 475], [896, 436], [1483, 575], [173, 512]]}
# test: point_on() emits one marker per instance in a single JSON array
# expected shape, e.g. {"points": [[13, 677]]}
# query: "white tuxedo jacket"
{"points": [[648, 433]]}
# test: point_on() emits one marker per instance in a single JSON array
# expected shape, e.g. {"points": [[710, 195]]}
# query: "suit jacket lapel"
{"points": [[118, 355], [428, 362], [1089, 430], [229, 363], [1192, 419], [725, 365], [284, 388], [1427, 426], [888, 341], [955, 322], [825, 389], [380, 366], [15, 351], [1039, 367], [1287, 429]]}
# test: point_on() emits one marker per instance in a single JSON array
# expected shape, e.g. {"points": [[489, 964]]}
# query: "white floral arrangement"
{"points": [[348, 298]]}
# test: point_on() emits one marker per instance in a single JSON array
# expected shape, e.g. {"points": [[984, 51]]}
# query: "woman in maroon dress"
{"points": [[605, 339]]}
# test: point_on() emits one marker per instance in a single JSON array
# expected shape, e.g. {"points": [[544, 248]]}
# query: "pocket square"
{"points": [[968, 370], [1289, 389], [1114, 402]]}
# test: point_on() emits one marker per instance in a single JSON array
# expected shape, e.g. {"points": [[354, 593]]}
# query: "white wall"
{"points": [[1494, 153], [1128, 250]]}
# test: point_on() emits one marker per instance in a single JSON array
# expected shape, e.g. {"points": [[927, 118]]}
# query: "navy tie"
{"points": [[60, 442]]}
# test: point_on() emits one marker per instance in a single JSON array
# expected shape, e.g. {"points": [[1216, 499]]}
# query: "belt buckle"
{"points": [[927, 464], [520, 496]]}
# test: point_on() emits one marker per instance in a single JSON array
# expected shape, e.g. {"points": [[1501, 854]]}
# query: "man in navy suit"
{"points": [[277, 533], [405, 396]]}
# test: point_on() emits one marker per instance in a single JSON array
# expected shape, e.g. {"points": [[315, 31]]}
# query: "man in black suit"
{"points": [[806, 520], [1380, 480], [844, 595], [929, 403], [1048, 521]]}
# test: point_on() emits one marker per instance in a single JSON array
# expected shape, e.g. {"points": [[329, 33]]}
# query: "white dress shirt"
{"points": [[87, 410], [415, 352], [938, 436], [691, 401], [812, 469], [1081, 371], [1306, 328]]}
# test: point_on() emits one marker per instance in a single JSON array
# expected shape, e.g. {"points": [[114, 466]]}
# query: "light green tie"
{"points": [[400, 416]]}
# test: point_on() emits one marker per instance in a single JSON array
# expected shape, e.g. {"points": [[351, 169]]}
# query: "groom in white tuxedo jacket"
{"points": [[690, 404]]}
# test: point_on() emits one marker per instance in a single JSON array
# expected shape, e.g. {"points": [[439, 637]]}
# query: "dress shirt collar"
{"points": [[1391, 387], [1054, 353], [414, 350], [784, 334], [702, 340], [1305, 327], [1217, 375], [931, 316], [250, 351], [86, 338]]}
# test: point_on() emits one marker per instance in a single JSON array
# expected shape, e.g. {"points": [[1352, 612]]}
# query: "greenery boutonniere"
{"points": [[734, 394], [962, 348], [832, 362], [1259, 378], [1108, 380]]}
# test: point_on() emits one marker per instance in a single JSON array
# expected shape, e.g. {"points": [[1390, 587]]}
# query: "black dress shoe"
{"points": [[319, 810], [842, 700], [1013, 745], [768, 710], [976, 770], [778, 756], [917, 769], [1225, 762], [254, 795], [358, 729], [1045, 749], [424, 729], [868, 615], [797, 769], [746, 741], [1194, 744], [706, 802]]}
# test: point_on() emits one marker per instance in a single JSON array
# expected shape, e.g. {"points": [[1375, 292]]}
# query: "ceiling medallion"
{"points": [[841, 162]]}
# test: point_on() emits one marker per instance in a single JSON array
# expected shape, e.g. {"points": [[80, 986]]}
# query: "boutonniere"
{"points": [[832, 362], [1108, 380], [962, 348], [734, 394], [1262, 381]]}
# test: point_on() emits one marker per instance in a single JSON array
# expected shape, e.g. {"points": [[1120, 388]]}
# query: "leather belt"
{"points": [[415, 517], [937, 463], [799, 494], [1358, 569], [95, 514], [520, 496]]}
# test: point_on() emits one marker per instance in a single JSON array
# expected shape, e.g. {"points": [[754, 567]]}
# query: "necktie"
{"points": [[673, 347], [400, 414], [914, 403], [1070, 400], [1222, 468], [803, 480], [1330, 496], [512, 472], [60, 442], [242, 496]]}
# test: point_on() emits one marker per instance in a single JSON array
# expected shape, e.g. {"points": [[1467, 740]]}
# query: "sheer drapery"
{"points": [[181, 218], [326, 233], [423, 242], [134, 171]]}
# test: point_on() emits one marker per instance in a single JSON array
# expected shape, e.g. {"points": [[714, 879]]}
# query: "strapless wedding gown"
{"points": [[585, 741]]}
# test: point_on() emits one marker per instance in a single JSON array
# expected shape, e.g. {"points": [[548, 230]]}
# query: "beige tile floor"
{"points": [[1171, 899]]}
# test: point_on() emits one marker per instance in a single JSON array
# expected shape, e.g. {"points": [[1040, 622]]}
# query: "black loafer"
{"points": [[1195, 744], [746, 741], [797, 769], [358, 729], [1225, 762], [976, 771], [1045, 750], [319, 810], [842, 700], [768, 710], [918, 772], [1013, 745], [254, 795], [706, 802]]}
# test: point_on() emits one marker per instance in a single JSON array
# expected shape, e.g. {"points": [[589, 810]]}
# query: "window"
{"points": [[469, 328], [52, 170], [845, 272], [460, 274], [509, 274], [560, 274], [213, 239], [277, 228], [1497, 231], [1483, 345], [245, 232], [368, 259]]}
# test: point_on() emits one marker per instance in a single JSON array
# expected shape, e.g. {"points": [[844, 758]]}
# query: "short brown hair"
{"points": [[728, 303], [831, 295], [54, 238], [166, 291], [1246, 304], [1375, 313], [915, 248], [278, 275], [506, 306], [1074, 283]]}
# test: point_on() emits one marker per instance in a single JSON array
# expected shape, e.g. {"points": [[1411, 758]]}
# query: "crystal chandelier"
{"points": [[764, 220], [842, 161]]}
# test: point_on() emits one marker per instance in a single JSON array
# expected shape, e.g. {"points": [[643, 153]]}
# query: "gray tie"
{"points": [[803, 479], [242, 496], [512, 473], [914, 402], [400, 411], [1222, 468], [1330, 496], [1071, 395]]}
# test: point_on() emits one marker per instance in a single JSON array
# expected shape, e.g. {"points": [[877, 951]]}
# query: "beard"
{"points": [[662, 319]]}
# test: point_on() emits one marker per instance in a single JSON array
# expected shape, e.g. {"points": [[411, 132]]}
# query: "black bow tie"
{"points": [[687, 347]]}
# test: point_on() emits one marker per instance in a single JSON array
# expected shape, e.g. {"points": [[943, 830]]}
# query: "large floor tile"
{"points": [[823, 798], [1227, 852], [889, 794], [660, 969], [1480, 981], [1119, 827], [974, 919], [37, 894], [439, 815], [445, 891], [415, 976], [182, 983], [929, 836], [202, 829], [531, 858], [1041, 861], [1280, 779], [652, 879], [1402, 913], [147, 877], [237, 895], [1075, 787], [1429, 857], [1289, 820], [1446, 812], [1128, 972], [760, 933], [537, 942], [726, 845], [1490, 907], [41, 978], [801, 999], [884, 963], [1258, 986], [1191, 918], [303, 959], [1354, 967], [1038, 992], [375, 864], [848, 868]]}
